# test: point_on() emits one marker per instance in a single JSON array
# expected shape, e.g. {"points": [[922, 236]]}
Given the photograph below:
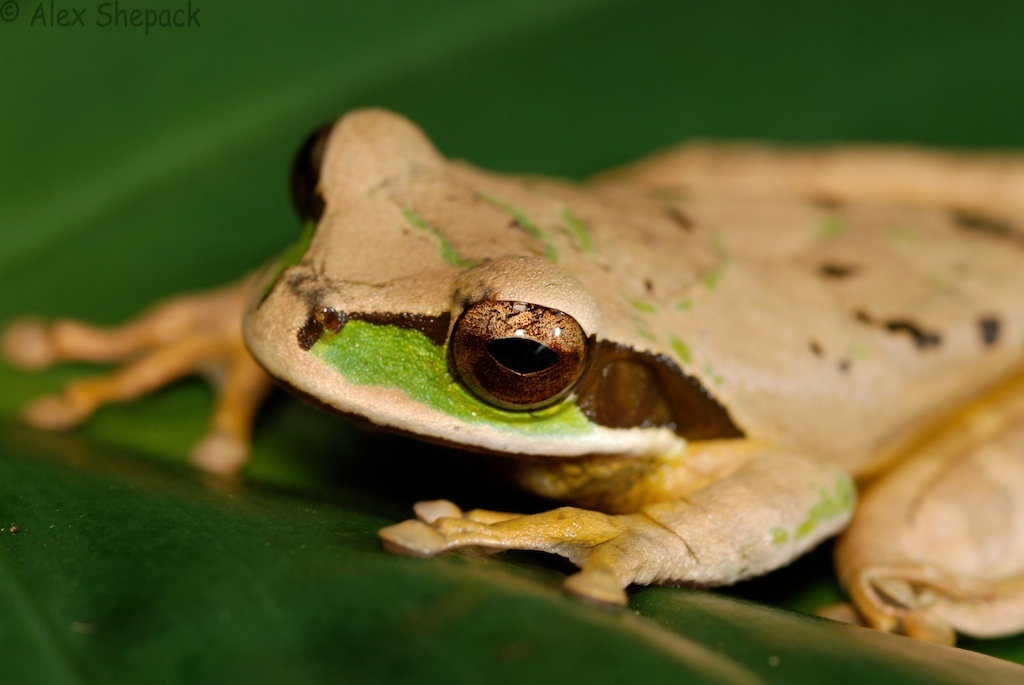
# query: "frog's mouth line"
{"points": [[603, 442], [622, 389]]}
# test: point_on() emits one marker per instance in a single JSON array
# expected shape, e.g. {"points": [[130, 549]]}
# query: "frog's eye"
{"points": [[517, 355], [306, 175]]}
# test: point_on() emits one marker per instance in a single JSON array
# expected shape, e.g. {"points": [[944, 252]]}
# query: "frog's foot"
{"points": [[915, 600], [612, 551], [788, 504], [935, 547], [183, 336]]}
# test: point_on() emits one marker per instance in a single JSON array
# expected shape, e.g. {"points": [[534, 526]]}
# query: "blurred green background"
{"points": [[134, 165]]}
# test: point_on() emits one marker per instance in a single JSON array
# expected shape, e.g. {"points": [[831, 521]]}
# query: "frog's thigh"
{"points": [[760, 517], [938, 545]]}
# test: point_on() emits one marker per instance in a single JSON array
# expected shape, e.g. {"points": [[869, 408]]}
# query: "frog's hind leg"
{"points": [[183, 336], [937, 546]]}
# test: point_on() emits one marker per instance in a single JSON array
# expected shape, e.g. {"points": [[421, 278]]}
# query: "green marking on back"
{"points": [[406, 360], [715, 377], [939, 282], [828, 506], [448, 253], [859, 351], [643, 330], [683, 305], [831, 227], [526, 223], [680, 348], [712, 278], [642, 306], [580, 232]]}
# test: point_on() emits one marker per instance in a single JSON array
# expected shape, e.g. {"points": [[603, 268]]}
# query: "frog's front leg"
{"points": [[937, 546], [768, 511], [185, 335]]}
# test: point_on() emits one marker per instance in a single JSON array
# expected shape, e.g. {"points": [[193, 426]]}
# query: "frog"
{"points": [[713, 359]]}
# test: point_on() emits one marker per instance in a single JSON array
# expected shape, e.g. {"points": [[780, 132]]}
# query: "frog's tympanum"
{"points": [[706, 354]]}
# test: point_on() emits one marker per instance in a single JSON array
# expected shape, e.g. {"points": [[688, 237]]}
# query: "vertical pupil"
{"points": [[521, 355]]}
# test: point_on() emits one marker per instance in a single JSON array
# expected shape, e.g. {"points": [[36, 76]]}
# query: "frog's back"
{"points": [[841, 327]]}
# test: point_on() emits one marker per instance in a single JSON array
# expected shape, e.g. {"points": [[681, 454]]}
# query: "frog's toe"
{"points": [[599, 587], [918, 601], [27, 344], [412, 538], [57, 412], [920, 624], [430, 511], [927, 626], [220, 453]]}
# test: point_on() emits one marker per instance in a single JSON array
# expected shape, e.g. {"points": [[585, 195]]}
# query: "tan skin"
{"points": [[702, 352]]}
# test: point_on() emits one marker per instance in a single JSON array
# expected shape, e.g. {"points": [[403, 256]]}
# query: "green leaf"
{"points": [[135, 166]]}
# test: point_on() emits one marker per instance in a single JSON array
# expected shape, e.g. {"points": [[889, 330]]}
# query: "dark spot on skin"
{"points": [[681, 218], [648, 285], [304, 284], [836, 270], [829, 202], [309, 333], [816, 348], [624, 388], [434, 327], [844, 365], [330, 319], [989, 327], [923, 339], [989, 226], [668, 193]]}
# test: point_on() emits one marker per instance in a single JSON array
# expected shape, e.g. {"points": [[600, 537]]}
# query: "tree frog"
{"points": [[717, 358]]}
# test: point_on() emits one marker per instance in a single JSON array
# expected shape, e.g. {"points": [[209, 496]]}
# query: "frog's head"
{"points": [[424, 298]]}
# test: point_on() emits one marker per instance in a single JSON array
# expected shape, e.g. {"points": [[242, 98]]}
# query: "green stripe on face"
{"points": [[406, 360], [526, 224], [448, 252], [580, 233]]}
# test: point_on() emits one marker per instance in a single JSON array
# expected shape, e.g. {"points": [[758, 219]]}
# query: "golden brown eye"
{"points": [[517, 355]]}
